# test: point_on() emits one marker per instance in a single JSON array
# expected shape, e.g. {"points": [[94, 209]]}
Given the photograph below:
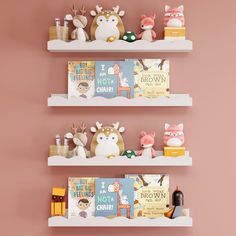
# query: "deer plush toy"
{"points": [[80, 22], [147, 141], [147, 23]]}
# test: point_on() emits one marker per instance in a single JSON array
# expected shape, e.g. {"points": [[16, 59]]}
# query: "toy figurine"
{"points": [[129, 36], [147, 141], [107, 24], [80, 139], [174, 17], [58, 205], [80, 22], [174, 135], [107, 141], [173, 140], [129, 153], [177, 202], [147, 23]]}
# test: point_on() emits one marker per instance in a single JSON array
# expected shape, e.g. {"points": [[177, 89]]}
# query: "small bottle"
{"points": [[57, 21], [58, 139], [65, 22]]}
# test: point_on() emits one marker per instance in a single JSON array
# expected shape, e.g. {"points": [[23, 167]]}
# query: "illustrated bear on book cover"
{"points": [[151, 195], [81, 197], [81, 75], [114, 197], [151, 78], [114, 78]]}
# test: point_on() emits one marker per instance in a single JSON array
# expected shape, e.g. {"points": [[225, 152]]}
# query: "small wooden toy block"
{"points": [[173, 33], [174, 151]]}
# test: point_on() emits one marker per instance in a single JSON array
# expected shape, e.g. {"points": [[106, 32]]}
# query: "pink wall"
{"points": [[29, 74]]}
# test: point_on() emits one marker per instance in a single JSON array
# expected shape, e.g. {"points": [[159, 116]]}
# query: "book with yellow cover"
{"points": [[151, 195], [151, 78]]}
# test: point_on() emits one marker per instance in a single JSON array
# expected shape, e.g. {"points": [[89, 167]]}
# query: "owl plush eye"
{"points": [[113, 138], [113, 20], [101, 137], [101, 20]]}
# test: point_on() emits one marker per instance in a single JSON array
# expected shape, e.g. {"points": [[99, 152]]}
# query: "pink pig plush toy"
{"points": [[147, 23], [174, 135], [147, 141]]}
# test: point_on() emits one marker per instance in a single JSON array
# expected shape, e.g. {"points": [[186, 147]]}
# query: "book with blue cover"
{"points": [[114, 78], [114, 197]]}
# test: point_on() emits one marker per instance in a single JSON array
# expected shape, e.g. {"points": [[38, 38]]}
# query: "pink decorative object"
{"points": [[174, 135], [147, 141], [147, 23], [174, 17]]}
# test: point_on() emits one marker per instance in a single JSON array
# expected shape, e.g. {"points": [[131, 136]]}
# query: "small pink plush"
{"points": [[174, 135], [174, 17], [147, 23], [147, 141]]}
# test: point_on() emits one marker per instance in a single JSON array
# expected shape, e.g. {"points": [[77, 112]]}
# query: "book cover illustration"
{"points": [[151, 195], [114, 197], [81, 199], [151, 78], [114, 78], [81, 75]]}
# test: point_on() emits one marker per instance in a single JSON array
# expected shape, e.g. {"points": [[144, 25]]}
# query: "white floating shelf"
{"points": [[120, 46], [60, 221], [121, 161], [174, 100]]}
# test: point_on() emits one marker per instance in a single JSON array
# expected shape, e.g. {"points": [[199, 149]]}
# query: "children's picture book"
{"points": [[151, 195], [81, 197], [114, 197], [151, 78], [114, 78], [81, 75]]}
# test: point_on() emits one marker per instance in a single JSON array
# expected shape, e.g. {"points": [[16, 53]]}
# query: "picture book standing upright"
{"points": [[81, 76], [81, 200], [151, 195], [114, 197], [151, 78], [114, 78]]}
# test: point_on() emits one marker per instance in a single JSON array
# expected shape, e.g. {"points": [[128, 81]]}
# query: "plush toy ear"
{"points": [[121, 13], [181, 126], [69, 17], [153, 134], [154, 16], [166, 126], [93, 13], [69, 135], [181, 8], [93, 129], [167, 8], [143, 17], [143, 133], [122, 129]]}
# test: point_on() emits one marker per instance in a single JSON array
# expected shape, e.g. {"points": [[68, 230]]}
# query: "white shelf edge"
{"points": [[60, 221], [174, 100], [120, 46], [121, 161]]}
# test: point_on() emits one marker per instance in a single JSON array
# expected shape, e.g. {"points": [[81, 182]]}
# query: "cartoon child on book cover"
{"points": [[81, 200], [81, 79]]}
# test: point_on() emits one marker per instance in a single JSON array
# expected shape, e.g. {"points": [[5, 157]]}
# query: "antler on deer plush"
{"points": [[74, 128], [116, 9], [99, 125], [82, 10], [116, 125], [98, 9], [82, 127], [74, 10]]}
